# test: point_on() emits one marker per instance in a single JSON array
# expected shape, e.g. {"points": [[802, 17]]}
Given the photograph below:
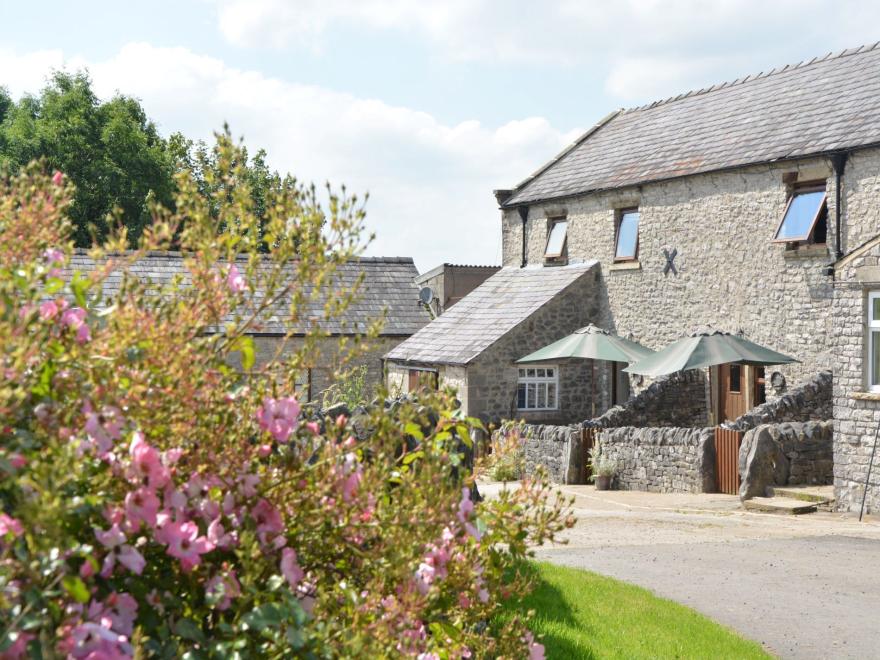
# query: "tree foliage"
{"points": [[115, 156]]}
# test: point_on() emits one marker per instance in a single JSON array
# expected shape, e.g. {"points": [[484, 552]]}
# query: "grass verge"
{"points": [[585, 615]]}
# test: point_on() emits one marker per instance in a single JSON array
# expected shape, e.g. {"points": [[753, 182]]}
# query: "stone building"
{"points": [[387, 289], [726, 206], [449, 283]]}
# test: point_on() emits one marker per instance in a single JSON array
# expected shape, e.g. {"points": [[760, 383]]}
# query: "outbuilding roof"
{"points": [[486, 314], [388, 285], [818, 107]]}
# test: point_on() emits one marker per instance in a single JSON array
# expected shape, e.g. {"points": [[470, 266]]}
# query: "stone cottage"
{"points": [[726, 206], [387, 288]]}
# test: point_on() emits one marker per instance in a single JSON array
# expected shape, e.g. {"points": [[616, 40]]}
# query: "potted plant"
{"points": [[603, 467]]}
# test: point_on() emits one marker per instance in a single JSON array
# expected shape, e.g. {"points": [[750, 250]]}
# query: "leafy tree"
{"points": [[114, 155]]}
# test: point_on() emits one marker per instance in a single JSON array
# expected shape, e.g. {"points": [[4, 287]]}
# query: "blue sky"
{"points": [[426, 105]]}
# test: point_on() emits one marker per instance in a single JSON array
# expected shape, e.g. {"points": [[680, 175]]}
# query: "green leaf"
{"points": [[80, 285], [441, 629], [412, 456], [53, 285], [77, 589], [189, 629], [245, 345], [414, 430]]}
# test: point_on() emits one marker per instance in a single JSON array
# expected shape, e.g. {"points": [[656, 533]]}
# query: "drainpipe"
{"points": [[524, 215], [839, 162]]}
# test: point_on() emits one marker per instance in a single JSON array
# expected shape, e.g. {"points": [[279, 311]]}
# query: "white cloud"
{"points": [[430, 184], [644, 48]]}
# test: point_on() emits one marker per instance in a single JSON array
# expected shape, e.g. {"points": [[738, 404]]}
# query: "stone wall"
{"points": [[558, 449], [856, 410], [787, 454], [662, 460], [808, 401], [676, 400], [492, 377], [730, 272]]}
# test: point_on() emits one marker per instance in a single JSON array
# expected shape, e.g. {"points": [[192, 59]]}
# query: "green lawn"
{"points": [[584, 615]]}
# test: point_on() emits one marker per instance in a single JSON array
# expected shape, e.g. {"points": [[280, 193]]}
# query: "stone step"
{"points": [[817, 494], [780, 505]]}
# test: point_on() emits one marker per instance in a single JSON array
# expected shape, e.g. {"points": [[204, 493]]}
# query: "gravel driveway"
{"points": [[803, 586]]}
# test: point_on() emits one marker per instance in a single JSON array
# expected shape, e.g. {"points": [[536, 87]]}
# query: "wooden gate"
{"points": [[727, 444]]}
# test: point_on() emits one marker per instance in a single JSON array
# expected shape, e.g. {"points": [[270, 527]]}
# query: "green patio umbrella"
{"points": [[706, 348], [590, 343]]}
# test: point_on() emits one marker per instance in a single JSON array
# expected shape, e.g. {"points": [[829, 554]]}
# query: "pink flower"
{"points": [[352, 481], [465, 506], [425, 574], [120, 612], [97, 642], [103, 428], [10, 525], [19, 646], [222, 589], [75, 319], [290, 569], [185, 544], [48, 310], [57, 178], [279, 417], [114, 540], [53, 255], [536, 650], [146, 463], [142, 505], [268, 520], [235, 280], [218, 537], [17, 461]]}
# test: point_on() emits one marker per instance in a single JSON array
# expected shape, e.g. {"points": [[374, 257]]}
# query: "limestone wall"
{"points": [[730, 272], [679, 399], [808, 401], [558, 449], [662, 460], [856, 410], [786, 454]]}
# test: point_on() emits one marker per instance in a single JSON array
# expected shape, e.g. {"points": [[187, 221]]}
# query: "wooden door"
{"points": [[727, 446], [732, 391]]}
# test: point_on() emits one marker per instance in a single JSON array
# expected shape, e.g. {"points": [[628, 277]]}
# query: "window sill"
{"points": [[807, 252], [865, 396], [635, 264]]}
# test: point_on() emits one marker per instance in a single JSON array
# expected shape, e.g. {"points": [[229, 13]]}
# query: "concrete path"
{"points": [[803, 586]]}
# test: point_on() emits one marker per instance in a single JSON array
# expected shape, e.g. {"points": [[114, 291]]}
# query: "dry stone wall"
{"points": [[675, 400], [558, 449], [787, 454], [809, 401], [662, 460]]}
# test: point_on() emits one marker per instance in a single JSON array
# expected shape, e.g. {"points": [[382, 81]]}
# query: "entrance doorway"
{"points": [[740, 388], [619, 384]]}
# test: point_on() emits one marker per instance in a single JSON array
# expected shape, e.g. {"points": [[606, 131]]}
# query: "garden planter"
{"points": [[603, 482]]}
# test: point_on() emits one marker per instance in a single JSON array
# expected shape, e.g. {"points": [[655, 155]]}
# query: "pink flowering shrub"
{"points": [[155, 501]]}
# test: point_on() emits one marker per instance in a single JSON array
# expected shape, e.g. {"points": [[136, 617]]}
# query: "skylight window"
{"points": [[556, 240], [806, 209], [627, 235]]}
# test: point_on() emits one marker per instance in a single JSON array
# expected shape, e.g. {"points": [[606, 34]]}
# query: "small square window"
{"points": [[806, 216], [627, 243], [556, 240]]}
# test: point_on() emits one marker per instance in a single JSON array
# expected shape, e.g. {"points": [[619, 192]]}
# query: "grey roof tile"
{"points": [[827, 104], [486, 314], [388, 285]]}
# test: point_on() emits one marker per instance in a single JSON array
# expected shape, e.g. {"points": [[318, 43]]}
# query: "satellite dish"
{"points": [[426, 295]]}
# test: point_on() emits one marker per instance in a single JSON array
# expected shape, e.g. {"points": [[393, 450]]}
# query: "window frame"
{"points": [[425, 379], [618, 221], [802, 189], [522, 378], [871, 326], [552, 222]]}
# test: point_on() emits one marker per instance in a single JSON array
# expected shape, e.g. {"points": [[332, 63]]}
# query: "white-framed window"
{"points": [[537, 388], [556, 236], [873, 337]]}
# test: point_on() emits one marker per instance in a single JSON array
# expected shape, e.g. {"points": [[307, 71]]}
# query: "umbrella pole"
{"points": [[593, 387]]}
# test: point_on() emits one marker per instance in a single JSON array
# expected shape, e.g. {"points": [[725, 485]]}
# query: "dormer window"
{"points": [[806, 216], [627, 238], [556, 239]]}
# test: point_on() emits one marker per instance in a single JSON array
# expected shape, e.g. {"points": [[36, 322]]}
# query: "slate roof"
{"points": [[388, 285], [486, 314], [816, 107]]}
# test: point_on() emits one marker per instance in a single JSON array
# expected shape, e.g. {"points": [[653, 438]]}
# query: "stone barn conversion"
{"points": [[751, 206], [387, 289]]}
